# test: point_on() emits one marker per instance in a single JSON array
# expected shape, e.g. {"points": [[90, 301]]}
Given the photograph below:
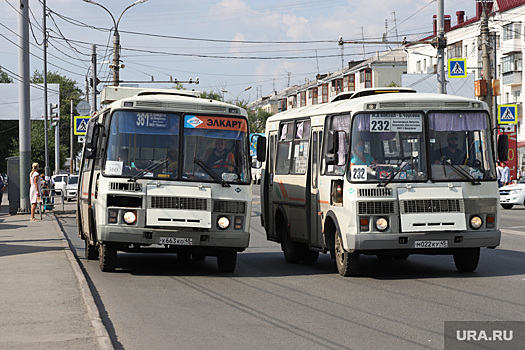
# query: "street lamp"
{"points": [[236, 97], [116, 40]]}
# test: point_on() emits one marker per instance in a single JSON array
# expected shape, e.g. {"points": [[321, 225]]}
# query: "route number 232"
{"points": [[380, 125]]}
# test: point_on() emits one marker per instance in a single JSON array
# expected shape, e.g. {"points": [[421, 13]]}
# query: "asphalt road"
{"points": [[156, 302]]}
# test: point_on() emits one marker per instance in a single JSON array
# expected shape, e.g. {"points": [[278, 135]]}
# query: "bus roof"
{"points": [[183, 100], [387, 102], [371, 91]]}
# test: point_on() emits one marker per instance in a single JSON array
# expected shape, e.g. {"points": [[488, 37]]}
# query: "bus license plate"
{"points": [[431, 244], [175, 241]]}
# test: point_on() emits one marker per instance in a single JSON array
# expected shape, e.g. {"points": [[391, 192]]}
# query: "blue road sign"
{"points": [[457, 67], [81, 125], [508, 114]]}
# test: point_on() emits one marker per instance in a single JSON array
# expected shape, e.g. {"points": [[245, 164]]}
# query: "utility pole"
{"points": [[72, 132], [94, 77], [485, 57], [24, 107], [47, 170], [441, 44]]}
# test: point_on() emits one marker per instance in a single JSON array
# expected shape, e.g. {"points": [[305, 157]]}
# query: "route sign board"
{"points": [[508, 114], [457, 67], [81, 125]]}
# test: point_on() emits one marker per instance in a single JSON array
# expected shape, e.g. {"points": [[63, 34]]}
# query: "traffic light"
{"points": [[53, 111]]}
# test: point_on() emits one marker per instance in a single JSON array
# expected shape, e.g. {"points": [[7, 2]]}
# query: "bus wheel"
{"points": [[107, 257], [466, 259], [226, 260], [347, 263], [90, 250], [293, 252]]}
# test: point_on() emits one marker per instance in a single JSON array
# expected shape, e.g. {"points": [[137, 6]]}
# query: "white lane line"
{"points": [[512, 232]]}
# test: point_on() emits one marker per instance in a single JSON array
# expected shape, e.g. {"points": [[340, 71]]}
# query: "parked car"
{"points": [[60, 182], [511, 195], [71, 188]]}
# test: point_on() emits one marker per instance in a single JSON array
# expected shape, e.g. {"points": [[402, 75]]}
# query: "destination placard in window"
{"points": [[396, 122], [152, 120]]}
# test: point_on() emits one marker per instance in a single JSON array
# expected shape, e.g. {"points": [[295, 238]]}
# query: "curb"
{"points": [[102, 335]]}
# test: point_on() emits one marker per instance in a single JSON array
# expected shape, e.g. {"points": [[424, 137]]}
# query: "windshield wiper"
{"points": [[389, 179], [152, 167], [461, 171], [210, 172]]}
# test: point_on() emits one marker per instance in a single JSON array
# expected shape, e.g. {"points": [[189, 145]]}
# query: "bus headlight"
{"points": [[476, 222], [129, 217], [381, 224], [223, 222]]}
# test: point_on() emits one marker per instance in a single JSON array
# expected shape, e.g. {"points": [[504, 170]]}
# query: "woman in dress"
{"points": [[34, 191]]}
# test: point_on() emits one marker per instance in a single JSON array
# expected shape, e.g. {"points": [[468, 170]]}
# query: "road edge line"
{"points": [[101, 332]]}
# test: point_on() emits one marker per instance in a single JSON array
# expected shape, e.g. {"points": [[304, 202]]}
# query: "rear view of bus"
{"points": [[166, 172]]}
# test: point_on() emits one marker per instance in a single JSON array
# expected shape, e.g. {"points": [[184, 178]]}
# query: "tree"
{"points": [[8, 131], [68, 91], [257, 119], [212, 95]]}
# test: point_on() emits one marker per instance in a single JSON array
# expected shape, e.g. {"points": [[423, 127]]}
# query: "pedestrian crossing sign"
{"points": [[81, 125], [508, 114], [457, 67]]}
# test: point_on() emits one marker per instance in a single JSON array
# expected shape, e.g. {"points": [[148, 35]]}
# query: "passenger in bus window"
{"points": [[359, 156], [172, 162], [452, 151], [219, 157]]}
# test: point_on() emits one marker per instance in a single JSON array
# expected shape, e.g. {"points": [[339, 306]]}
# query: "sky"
{"points": [[229, 45]]}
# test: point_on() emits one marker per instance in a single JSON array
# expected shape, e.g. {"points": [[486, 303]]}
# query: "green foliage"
{"points": [[257, 120], [8, 131], [212, 95], [4, 78], [393, 84]]}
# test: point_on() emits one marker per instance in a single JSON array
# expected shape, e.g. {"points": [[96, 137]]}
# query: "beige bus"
{"points": [[165, 171], [385, 172]]}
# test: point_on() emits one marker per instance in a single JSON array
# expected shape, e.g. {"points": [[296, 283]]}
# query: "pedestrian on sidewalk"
{"points": [[505, 174], [34, 191], [2, 188]]}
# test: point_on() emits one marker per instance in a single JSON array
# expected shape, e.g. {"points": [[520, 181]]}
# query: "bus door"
{"points": [[313, 212], [268, 191]]}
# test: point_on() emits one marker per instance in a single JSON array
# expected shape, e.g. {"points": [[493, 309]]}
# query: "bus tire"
{"points": [[347, 263], [226, 261], [90, 250], [293, 252], [466, 259], [107, 257]]}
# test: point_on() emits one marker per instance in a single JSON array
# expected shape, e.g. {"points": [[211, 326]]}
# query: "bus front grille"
{"points": [[125, 186], [376, 208], [375, 192], [161, 202], [432, 206], [229, 207]]}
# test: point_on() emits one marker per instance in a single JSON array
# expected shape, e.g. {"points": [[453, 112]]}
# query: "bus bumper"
{"points": [[144, 236], [422, 243]]}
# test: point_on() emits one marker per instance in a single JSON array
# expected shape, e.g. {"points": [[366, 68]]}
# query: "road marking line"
{"points": [[512, 232]]}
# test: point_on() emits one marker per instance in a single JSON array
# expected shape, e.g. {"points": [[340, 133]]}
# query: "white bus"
{"points": [[164, 170], [381, 172]]}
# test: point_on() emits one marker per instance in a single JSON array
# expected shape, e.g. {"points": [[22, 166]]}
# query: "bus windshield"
{"points": [[394, 147], [460, 147], [388, 146], [148, 144]]}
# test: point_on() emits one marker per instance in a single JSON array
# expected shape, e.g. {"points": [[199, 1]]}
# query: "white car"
{"points": [[511, 195], [60, 182], [71, 188]]}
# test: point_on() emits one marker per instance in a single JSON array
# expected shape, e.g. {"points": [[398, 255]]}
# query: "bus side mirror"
{"points": [[261, 148], [92, 135], [503, 147]]}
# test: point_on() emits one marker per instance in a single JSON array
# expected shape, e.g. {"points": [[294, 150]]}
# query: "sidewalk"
{"points": [[45, 302]]}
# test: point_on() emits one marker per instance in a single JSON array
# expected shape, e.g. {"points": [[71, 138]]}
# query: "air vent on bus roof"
{"points": [[424, 104]]}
